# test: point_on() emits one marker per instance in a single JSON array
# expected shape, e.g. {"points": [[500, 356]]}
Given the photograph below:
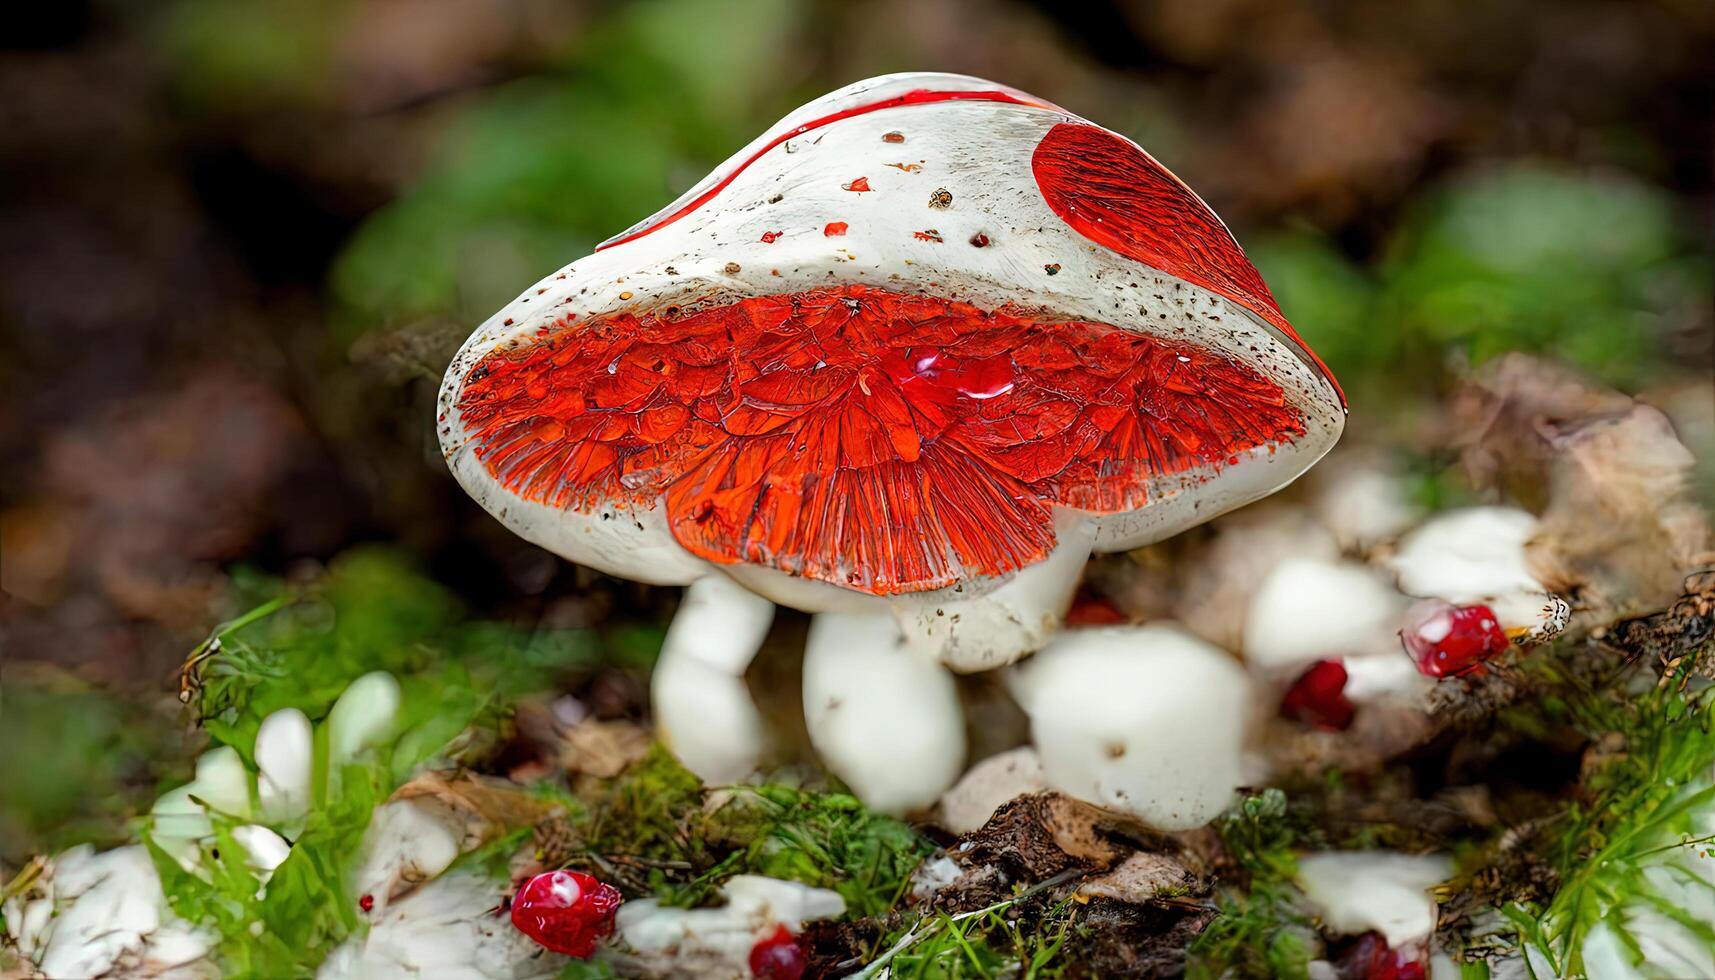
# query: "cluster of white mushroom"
{"points": [[96, 914]]}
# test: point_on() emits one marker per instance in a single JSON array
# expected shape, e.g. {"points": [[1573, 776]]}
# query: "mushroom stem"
{"points": [[1001, 626], [703, 709], [883, 717]]}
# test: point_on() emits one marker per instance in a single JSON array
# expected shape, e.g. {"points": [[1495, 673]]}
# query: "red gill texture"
{"points": [[880, 441], [1114, 194]]}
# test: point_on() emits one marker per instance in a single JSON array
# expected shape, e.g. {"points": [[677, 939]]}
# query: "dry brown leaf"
{"points": [[1607, 474], [487, 806], [603, 748]]}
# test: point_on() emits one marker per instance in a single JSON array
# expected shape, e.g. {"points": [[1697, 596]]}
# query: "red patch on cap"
{"points": [[1116, 195], [880, 441]]}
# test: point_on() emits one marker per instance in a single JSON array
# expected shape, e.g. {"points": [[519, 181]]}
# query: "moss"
{"points": [[656, 831], [1261, 929]]}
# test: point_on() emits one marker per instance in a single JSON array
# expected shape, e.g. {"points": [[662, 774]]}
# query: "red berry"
{"points": [[1318, 698], [1370, 958], [777, 956], [366, 903], [1448, 640], [566, 911], [1093, 610]]}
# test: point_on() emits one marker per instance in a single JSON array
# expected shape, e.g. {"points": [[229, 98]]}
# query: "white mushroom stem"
{"points": [[1146, 720], [883, 717], [703, 709], [997, 628]]}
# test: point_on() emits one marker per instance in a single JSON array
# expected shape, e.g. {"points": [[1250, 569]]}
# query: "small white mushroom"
{"points": [[407, 842], [180, 817], [716, 942], [1148, 720], [284, 748], [883, 717], [1477, 555], [1308, 610], [1387, 892], [447, 928], [92, 914], [988, 785], [1361, 500], [363, 716], [265, 849]]}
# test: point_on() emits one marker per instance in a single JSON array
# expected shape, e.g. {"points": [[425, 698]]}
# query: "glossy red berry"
{"points": [[566, 911], [1370, 958], [366, 903], [1318, 697], [777, 956], [1448, 640]]}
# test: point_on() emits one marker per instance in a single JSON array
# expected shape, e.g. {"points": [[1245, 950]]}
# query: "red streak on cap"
{"points": [[920, 96], [1116, 195], [879, 441]]}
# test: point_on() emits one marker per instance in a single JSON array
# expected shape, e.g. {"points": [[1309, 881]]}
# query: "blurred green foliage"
{"points": [[79, 760], [1595, 270], [374, 611]]}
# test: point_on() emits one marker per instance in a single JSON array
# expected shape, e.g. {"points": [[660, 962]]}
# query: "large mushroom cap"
{"points": [[912, 338]]}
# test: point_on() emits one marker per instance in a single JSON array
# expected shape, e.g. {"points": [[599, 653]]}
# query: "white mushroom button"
{"points": [[363, 716], [1477, 555], [717, 942], [1147, 720], [1309, 610], [1383, 891], [852, 388], [988, 785], [284, 763]]}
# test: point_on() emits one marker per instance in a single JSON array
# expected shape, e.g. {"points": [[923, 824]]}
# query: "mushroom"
{"points": [[907, 359], [1478, 556], [1148, 720]]}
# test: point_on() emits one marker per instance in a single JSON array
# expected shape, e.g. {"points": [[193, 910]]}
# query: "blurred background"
{"points": [[241, 240]]}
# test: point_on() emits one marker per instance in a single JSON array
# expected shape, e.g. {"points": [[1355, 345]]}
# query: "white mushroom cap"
{"points": [[363, 716], [988, 785], [1478, 555], [285, 745], [1148, 720], [1362, 501], [1384, 891], [1309, 610]]}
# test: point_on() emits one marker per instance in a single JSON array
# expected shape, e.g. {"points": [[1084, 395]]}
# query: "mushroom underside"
{"points": [[878, 441]]}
